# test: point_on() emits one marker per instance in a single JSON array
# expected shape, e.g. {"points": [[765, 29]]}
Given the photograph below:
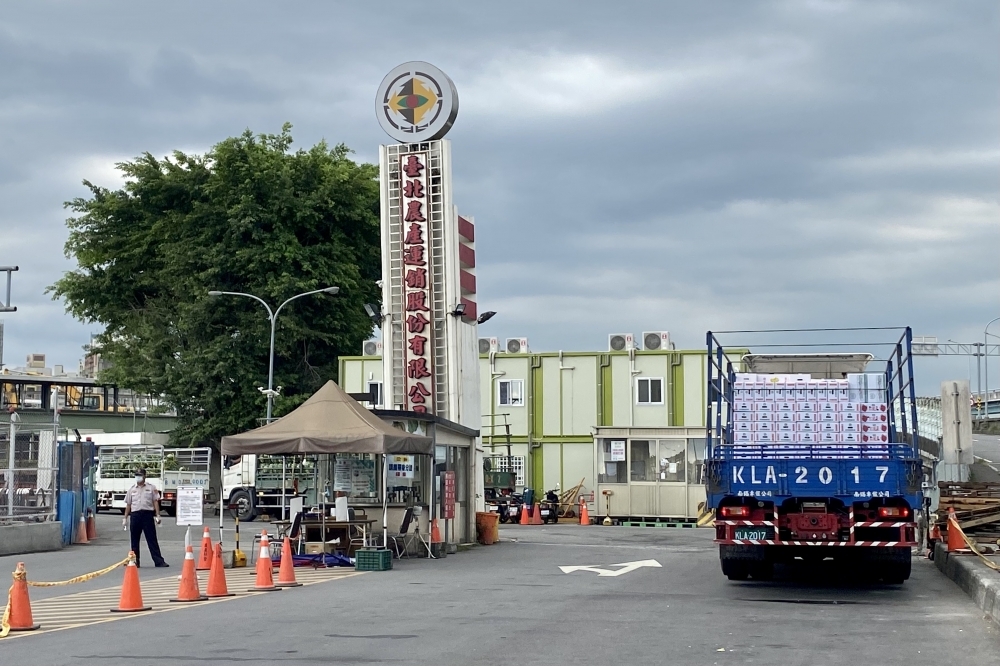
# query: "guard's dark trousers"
{"points": [[142, 523]]}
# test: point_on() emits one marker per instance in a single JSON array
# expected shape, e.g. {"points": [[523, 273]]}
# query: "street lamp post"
{"points": [[270, 392], [273, 318], [986, 334]]}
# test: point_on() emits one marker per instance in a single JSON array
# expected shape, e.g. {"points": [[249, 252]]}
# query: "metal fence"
{"points": [[28, 471]]}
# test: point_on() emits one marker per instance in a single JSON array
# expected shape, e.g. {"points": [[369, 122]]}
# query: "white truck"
{"points": [[252, 484], [119, 454]]}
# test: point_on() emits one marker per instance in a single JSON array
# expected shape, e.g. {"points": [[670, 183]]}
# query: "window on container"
{"points": [[643, 460], [696, 460], [671, 463], [375, 390], [612, 462], [649, 391], [510, 392]]}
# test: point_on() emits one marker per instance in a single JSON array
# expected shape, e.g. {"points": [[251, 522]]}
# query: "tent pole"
{"points": [[283, 515], [385, 504]]}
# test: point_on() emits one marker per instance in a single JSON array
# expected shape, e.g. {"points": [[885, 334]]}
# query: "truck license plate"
{"points": [[753, 533]]}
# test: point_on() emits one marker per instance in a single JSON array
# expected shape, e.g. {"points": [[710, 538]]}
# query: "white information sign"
{"points": [[401, 467], [618, 450], [190, 505]]}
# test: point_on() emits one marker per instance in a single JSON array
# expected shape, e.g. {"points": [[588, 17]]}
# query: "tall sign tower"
{"points": [[429, 334]]}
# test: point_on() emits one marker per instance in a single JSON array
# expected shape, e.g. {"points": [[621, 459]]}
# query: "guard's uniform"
{"points": [[140, 500]]}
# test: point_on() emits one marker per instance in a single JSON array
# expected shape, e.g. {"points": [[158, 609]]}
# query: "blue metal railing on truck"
{"points": [[814, 469]]}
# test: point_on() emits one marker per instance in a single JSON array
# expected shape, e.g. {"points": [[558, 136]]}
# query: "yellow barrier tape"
{"points": [[21, 574], [972, 546]]}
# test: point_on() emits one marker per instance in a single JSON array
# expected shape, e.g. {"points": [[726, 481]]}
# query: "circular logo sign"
{"points": [[416, 102]]}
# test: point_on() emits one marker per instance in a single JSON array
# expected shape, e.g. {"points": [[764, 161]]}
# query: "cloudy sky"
{"points": [[631, 166]]}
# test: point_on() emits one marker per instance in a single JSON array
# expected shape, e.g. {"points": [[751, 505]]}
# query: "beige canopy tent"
{"points": [[329, 422]]}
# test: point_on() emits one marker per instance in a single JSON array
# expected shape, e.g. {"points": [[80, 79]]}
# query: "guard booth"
{"points": [[77, 487], [649, 474]]}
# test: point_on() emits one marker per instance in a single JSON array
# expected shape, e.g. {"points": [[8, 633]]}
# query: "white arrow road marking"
{"points": [[625, 568]]}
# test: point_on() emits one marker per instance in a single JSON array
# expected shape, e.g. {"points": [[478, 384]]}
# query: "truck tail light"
{"points": [[893, 512], [735, 512]]}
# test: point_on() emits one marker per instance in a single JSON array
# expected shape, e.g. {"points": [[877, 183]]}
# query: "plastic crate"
{"points": [[373, 559]]}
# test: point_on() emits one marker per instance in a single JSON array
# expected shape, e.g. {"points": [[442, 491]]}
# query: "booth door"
{"points": [[643, 471], [672, 477]]}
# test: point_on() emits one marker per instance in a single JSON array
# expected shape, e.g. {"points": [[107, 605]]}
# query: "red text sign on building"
{"points": [[417, 316], [448, 495]]}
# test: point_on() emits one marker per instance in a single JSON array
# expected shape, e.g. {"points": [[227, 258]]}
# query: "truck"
{"points": [[813, 456], [166, 469], [254, 485]]}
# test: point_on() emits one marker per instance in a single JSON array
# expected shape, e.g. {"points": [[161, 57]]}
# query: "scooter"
{"points": [[509, 508], [550, 507]]}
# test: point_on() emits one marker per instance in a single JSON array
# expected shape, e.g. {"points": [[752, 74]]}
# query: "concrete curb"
{"points": [[979, 581]]}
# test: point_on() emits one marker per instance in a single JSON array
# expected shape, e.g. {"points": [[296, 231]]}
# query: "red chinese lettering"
{"points": [[417, 369], [417, 344], [417, 300], [416, 278], [420, 409], [413, 189], [414, 255], [415, 235], [416, 323], [413, 167], [413, 212], [418, 392]]}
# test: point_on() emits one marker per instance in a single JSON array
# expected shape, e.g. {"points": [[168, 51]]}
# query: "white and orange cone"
{"points": [[265, 568], [188, 589]]}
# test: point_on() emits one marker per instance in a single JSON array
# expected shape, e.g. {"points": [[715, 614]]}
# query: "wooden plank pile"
{"points": [[976, 505]]}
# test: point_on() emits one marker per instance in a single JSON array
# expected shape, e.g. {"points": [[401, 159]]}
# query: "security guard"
{"points": [[142, 504]]}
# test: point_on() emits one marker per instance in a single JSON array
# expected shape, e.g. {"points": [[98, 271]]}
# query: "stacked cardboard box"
{"points": [[796, 409]]}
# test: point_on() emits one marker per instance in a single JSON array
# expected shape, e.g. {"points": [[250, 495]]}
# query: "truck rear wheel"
{"points": [[895, 573], [241, 505], [762, 570], [736, 569]]}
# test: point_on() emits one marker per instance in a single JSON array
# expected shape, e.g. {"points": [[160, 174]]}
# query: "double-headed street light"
{"points": [[273, 317]]}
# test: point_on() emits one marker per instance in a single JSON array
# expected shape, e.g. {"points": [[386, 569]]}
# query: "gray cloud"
{"points": [[631, 166]]}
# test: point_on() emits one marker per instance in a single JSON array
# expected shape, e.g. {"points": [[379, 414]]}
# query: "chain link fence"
{"points": [[28, 471]]}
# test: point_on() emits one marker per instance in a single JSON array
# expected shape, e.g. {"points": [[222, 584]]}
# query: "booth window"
{"points": [[510, 392], [611, 470], [643, 460], [649, 391], [672, 459], [696, 460]]}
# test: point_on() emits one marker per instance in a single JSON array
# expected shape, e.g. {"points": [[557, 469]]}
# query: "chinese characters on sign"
{"points": [[416, 294], [448, 496], [400, 467]]}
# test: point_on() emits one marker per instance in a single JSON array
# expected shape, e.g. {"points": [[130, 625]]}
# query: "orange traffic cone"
{"points": [[525, 514], [81, 531], [188, 590], [584, 513], [536, 517], [205, 556], [19, 604], [265, 573], [131, 599], [436, 532], [217, 577], [91, 526], [956, 542], [286, 572]]}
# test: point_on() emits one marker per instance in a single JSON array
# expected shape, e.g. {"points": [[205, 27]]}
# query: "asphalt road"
{"points": [[511, 604]]}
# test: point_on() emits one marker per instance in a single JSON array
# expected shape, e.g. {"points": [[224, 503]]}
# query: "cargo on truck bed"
{"points": [[813, 456]]}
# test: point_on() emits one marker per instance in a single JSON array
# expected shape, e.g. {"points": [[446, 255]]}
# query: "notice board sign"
{"points": [[617, 450], [190, 505], [448, 496], [401, 467]]}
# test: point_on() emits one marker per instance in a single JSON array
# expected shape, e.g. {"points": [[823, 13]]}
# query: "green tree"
{"points": [[252, 216]]}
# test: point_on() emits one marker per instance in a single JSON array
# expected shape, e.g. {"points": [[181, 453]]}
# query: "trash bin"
{"points": [[487, 527]]}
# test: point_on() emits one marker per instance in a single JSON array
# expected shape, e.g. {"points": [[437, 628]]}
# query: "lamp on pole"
{"points": [[273, 318], [986, 334]]}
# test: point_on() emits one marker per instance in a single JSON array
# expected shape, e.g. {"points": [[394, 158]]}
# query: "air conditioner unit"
{"points": [[488, 345], [620, 342], [372, 348], [517, 345], [653, 340]]}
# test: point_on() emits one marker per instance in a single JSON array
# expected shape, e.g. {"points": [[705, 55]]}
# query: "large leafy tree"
{"points": [[250, 215]]}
